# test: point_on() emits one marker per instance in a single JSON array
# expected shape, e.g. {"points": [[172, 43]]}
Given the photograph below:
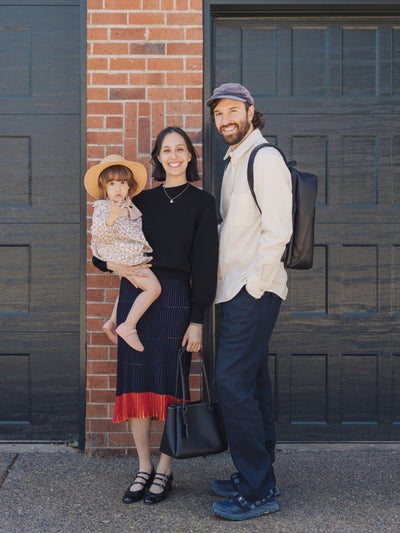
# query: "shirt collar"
{"points": [[245, 146]]}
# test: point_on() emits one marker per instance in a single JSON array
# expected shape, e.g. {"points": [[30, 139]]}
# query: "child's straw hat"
{"points": [[92, 175]]}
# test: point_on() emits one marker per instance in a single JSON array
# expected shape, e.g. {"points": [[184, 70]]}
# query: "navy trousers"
{"points": [[244, 388]]}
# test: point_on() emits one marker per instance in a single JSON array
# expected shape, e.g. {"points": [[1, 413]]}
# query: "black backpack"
{"points": [[299, 250]]}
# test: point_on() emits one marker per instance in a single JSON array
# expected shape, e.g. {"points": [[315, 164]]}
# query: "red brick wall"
{"points": [[144, 62]]}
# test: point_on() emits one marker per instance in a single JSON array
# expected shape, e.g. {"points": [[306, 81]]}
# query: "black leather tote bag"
{"points": [[193, 429]]}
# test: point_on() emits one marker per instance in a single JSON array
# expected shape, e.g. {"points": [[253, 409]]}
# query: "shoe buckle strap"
{"points": [[235, 479], [162, 478], [242, 502], [246, 505], [138, 482], [140, 475]]}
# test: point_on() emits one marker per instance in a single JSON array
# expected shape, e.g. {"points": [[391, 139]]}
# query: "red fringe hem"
{"points": [[141, 405]]}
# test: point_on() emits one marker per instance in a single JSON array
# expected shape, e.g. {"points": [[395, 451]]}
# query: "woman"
{"points": [[179, 222]]}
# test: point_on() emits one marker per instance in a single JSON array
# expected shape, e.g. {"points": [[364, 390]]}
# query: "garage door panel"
{"points": [[340, 64], [39, 266], [262, 42], [357, 163], [395, 171], [395, 277], [40, 173], [309, 289], [334, 332], [37, 66], [228, 55], [39, 386]]}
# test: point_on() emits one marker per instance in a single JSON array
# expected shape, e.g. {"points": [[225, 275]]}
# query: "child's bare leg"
{"points": [[151, 290], [110, 326]]}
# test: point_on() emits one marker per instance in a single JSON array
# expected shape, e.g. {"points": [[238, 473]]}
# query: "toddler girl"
{"points": [[117, 236]]}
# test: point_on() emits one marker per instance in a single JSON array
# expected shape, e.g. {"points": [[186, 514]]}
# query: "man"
{"points": [[252, 283]]}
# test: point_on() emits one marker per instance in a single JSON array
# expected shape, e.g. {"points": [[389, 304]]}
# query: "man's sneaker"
{"points": [[225, 487], [238, 508]]}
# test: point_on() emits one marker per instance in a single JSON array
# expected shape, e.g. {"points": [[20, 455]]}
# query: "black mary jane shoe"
{"points": [[163, 481], [140, 479]]}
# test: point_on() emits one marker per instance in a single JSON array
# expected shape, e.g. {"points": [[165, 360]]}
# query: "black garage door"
{"points": [[329, 88], [40, 211]]}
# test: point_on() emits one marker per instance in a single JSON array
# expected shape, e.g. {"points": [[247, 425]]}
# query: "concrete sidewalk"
{"points": [[326, 488]]}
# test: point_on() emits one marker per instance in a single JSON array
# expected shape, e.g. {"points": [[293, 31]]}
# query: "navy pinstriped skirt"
{"points": [[146, 380]]}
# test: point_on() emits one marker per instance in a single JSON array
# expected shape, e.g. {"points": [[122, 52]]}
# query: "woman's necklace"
{"points": [[171, 200]]}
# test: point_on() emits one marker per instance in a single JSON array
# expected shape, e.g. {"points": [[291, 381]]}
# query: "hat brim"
{"points": [[227, 97], [91, 180]]}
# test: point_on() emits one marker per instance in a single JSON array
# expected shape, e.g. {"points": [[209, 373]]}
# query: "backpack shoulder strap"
{"points": [[250, 167], [250, 171]]}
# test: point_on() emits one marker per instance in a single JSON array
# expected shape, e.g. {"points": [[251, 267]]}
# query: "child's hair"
{"points": [[116, 173]]}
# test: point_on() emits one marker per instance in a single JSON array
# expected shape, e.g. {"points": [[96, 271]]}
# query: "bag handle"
{"points": [[180, 374]]}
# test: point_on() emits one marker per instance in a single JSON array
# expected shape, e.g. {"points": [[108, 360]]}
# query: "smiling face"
{"points": [[233, 121], [174, 157]]}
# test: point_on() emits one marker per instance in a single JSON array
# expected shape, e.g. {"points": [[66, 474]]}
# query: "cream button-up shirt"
{"points": [[252, 244]]}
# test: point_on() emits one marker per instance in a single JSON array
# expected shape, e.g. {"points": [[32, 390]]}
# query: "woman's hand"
{"points": [[128, 272], [193, 338]]}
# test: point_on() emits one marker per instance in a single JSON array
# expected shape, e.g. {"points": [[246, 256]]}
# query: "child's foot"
{"points": [[130, 336], [110, 330]]}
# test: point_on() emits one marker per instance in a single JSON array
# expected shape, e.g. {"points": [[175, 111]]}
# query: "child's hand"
{"points": [[116, 210]]}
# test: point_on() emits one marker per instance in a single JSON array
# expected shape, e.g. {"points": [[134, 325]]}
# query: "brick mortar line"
{"points": [[8, 470]]}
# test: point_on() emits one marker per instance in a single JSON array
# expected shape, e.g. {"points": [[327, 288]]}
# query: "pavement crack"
{"points": [[8, 470]]}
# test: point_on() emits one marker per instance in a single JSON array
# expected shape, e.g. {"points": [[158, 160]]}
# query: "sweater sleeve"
{"points": [[204, 261], [101, 265]]}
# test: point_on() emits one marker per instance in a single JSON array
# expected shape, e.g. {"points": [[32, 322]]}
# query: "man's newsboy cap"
{"points": [[231, 91]]}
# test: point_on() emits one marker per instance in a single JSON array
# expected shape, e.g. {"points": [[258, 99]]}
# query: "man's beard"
{"points": [[238, 135]]}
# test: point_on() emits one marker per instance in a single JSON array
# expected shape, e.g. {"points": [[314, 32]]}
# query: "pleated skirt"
{"points": [[146, 381]]}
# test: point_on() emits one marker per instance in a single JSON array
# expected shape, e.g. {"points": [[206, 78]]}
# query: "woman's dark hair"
{"points": [[258, 120], [116, 173], [192, 173]]}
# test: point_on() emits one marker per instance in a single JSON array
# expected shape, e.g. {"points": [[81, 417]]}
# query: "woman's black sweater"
{"points": [[184, 238]]}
